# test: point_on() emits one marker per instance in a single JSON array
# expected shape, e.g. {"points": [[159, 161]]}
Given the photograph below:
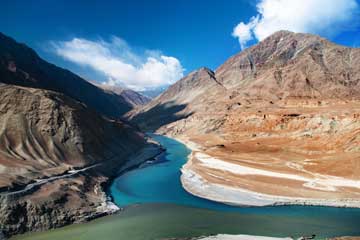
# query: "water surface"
{"points": [[160, 183], [157, 207]]}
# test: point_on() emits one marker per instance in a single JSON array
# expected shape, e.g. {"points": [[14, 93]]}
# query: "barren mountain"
{"points": [[58, 148], [20, 65], [132, 97], [180, 100], [41, 129], [277, 123], [288, 65], [45, 138]]}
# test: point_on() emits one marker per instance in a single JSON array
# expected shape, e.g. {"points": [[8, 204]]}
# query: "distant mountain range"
{"points": [[132, 97], [153, 92]]}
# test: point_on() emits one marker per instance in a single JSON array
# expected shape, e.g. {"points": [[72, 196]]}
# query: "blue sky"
{"points": [[159, 38]]}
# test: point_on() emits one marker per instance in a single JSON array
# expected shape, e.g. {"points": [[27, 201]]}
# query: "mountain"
{"points": [[59, 144], [179, 100], [153, 92], [132, 97], [277, 123], [20, 65], [289, 65], [283, 67]]}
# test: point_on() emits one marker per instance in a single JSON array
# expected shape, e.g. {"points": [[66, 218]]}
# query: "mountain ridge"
{"points": [[21, 65], [282, 128], [61, 140]]}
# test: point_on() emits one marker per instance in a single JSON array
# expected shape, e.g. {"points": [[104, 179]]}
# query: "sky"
{"points": [[142, 44]]}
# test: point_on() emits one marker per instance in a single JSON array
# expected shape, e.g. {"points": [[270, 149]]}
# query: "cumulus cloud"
{"points": [[309, 16], [120, 64]]}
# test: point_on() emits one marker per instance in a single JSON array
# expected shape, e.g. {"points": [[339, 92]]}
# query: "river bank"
{"points": [[77, 196], [194, 183], [156, 205]]}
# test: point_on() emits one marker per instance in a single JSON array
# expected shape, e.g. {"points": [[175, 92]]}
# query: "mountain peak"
{"points": [[288, 64]]}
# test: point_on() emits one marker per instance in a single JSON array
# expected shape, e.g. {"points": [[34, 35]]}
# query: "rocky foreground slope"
{"points": [[58, 146], [44, 137], [277, 123]]}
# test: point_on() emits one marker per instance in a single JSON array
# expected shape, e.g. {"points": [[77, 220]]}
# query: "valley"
{"points": [[273, 133]]}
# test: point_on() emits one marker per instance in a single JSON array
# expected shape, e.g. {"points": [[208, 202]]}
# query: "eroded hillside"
{"points": [[278, 121]]}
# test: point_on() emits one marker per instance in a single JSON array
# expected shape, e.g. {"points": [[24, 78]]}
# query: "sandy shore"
{"points": [[195, 184]]}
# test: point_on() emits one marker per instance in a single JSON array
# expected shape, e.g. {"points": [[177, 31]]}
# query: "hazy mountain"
{"points": [[130, 96], [153, 92]]}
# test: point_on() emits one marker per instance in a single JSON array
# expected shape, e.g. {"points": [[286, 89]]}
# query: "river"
{"points": [[156, 206]]}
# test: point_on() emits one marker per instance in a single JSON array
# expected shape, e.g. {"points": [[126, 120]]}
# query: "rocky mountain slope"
{"points": [[57, 152], [44, 137], [277, 122], [20, 65], [180, 100], [42, 129], [289, 65]]}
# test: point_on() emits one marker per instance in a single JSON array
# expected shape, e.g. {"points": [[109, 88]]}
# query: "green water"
{"points": [[156, 206], [157, 221]]}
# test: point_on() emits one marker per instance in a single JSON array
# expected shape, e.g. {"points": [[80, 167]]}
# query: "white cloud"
{"points": [[310, 16], [120, 64]]}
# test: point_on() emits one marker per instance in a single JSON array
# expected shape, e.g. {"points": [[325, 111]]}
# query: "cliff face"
{"points": [[288, 105], [20, 65]]}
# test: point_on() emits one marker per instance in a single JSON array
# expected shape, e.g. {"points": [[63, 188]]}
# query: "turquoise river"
{"points": [[157, 207]]}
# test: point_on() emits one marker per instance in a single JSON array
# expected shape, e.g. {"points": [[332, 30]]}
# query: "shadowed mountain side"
{"points": [[20, 65], [186, 95], [160, 115]]}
